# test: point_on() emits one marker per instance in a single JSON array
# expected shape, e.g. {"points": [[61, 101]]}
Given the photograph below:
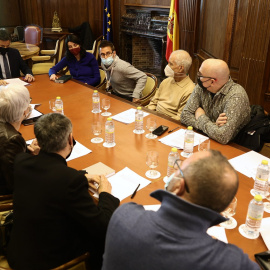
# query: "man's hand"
{"points": [[53, 77], [222, 120], [99, 183], [135, 99], [2, 82], [34, 147], [199, 112], [29, 78]]}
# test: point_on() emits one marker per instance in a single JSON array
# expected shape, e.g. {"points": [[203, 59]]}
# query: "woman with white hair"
{"points": [[14, 108]]}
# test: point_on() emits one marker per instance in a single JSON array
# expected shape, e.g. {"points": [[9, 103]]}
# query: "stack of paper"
{"points": [[128, 116], [99, 169], [176, 139]]}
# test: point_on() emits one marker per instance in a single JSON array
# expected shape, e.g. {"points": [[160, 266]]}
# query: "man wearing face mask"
{"points": [[11, 62], [173, 93], [126, 81], [217, 106], [55, 218]]}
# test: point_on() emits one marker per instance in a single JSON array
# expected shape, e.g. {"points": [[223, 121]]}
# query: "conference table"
{"points": [[26, 50], [130, 150]]}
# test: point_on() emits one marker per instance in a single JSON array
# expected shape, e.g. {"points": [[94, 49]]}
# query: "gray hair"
{"points": [[182, 58], [52, 131], [14, 100]]}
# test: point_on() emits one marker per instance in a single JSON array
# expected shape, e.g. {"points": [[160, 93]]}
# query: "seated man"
{"points": [[217, 106], [126, 81], [173, 92], [11, 62], [55, 218], [175, 236]]}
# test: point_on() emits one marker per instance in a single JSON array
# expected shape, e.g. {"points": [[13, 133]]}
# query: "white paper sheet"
{"points": [[219, 233], [34, 112], [16, 81], [78, 150], [176, 139], [247, 163], [265, 231], [153, 207], [127, 116]]}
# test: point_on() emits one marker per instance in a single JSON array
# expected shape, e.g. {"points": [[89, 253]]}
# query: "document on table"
{"points": [[247, 163], [176, 139], [78, 150], [16, 81], [265, 232], [34, 112], [127, 116]]}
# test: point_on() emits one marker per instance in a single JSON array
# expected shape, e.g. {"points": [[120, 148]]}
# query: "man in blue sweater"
{"points": [[175, 236]]}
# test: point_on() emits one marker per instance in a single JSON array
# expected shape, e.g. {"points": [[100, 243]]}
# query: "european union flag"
{"points": [[107, 21]]}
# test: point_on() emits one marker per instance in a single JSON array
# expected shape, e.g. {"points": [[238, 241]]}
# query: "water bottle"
{"points": [[254, 216], [59, 106], [109, 133], [171, 160], [96, 102], [261, 181], [188, 142], [139, 121]]}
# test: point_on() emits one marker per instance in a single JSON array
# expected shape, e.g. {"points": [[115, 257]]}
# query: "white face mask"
{"points": [[168, 71], [107, 61]]}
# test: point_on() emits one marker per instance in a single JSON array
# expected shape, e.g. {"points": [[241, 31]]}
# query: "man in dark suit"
{"points": [[11, 62], [55, 218]]}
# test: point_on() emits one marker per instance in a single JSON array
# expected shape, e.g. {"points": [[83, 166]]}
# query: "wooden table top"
{"points": [[130, 150], [26, 50]]}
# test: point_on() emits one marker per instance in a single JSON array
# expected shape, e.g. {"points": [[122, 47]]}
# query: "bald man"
{"points": [[175, 236], [217, 106], [174, 92]]}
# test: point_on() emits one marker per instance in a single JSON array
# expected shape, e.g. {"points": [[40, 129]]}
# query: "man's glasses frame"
{"points": [[199, 75], [108, 54]]}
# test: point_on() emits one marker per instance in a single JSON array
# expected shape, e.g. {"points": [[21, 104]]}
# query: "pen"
{"points": [[134, 193], [173, 129]]}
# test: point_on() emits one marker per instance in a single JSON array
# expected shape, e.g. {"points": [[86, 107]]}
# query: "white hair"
{"points": [[182, 58], [14, 100]]}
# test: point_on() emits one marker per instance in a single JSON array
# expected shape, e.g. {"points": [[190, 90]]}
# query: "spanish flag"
{"points": [[173, 29], [107, 21]]}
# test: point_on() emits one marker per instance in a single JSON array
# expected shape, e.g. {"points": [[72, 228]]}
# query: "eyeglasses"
{"points": [[199, 75], [108, 54], [177, 164]]}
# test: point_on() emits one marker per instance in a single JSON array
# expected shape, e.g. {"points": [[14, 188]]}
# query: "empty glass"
{"points": [[231, 223], [152, 162], [151, 125], [267, 204], [96, 130], [105, 104], [204, 145], [52, 105]]}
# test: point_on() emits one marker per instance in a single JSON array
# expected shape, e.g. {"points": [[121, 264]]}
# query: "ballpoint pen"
{"points": [[173, 129], [134, 193]]}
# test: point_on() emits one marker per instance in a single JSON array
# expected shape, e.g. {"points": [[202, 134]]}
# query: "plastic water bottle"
{"points": [[171, 160], [96, 102], [261, 181], [59, 106], [188, 142], [254, 216], [139, 121], [109, 133]]}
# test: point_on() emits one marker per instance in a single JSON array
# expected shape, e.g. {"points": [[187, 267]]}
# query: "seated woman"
{"points": [[14, 108], [83, 66]]}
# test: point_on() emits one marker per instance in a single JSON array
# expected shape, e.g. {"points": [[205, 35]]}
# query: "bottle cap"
{"points": [[190, 128], [258, 198], [139, 108], [109, 119], [264, 162], [174, 149], [95, 91], [58, 97]]}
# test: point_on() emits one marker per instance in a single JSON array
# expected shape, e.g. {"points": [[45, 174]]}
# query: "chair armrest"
{"points": [[51, 52], [41, 58]]}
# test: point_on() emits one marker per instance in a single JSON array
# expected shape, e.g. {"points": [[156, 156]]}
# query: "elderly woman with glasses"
{"points": [[14, 108], [82, 65]]}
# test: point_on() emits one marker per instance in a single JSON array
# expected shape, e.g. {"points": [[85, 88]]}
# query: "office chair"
{"points": [[33, 34]]}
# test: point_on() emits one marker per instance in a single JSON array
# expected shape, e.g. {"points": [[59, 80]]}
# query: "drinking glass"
{"points": [[152, 162], [267, 197], [52, 105], [96, 130], [151, 125], [231, 223], [204, 145], [105, 104]]}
